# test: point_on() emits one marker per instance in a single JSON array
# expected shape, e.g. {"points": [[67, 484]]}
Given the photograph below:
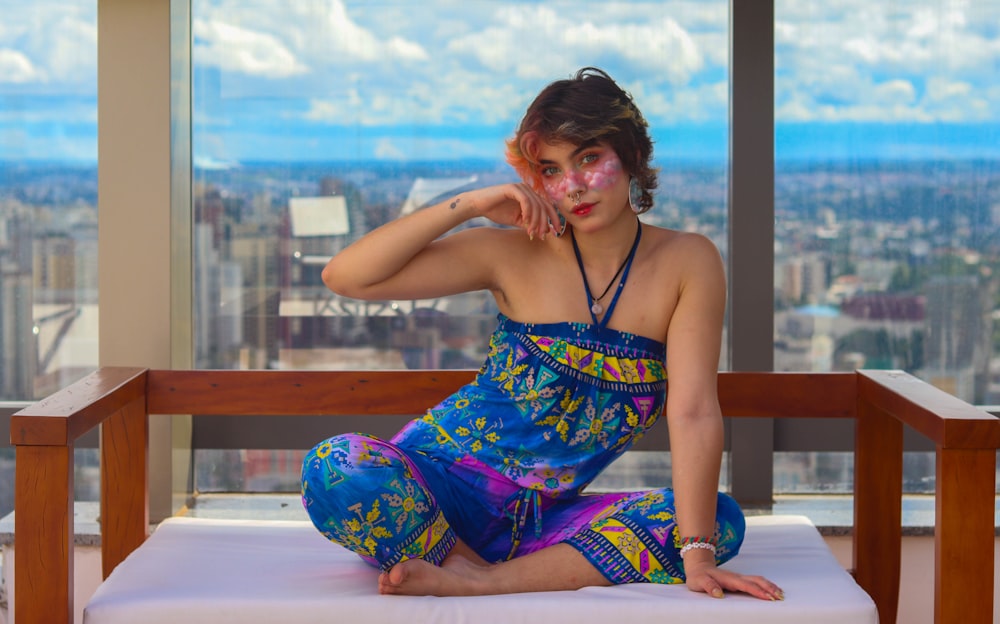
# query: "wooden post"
{"points": [[124, 483], [878, 495], [43, 534], [964, 536]]}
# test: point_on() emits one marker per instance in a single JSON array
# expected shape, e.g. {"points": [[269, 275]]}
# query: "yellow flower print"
{"points": [[629, 543], [370, 455], [631, 417], [374, 513], [570, 405], [474, 436], [629, 371], [324, 450], [551, 479]]}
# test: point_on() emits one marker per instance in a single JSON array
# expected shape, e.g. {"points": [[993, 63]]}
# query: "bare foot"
{"points": [[555, 568], [457, 576]]}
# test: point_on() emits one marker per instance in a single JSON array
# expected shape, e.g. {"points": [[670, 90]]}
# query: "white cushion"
{"points": [[249, 572]]}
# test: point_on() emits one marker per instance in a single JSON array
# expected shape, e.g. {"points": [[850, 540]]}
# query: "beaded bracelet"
{"points": [[691, 543]]}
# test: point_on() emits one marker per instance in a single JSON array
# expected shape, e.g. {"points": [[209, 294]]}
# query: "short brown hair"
{"points": [[588, 107]]}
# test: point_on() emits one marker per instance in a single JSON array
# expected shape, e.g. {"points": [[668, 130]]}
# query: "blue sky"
{"points": [[448, 79]]}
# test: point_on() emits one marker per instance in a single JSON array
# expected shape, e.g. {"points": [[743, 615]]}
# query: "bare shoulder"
{"points": [[687, 251]]}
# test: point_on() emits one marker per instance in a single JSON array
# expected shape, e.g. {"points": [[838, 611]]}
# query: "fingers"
{"points": [[537, 213], [717, 582], [760, 587], [756, 586], [715, 591]]}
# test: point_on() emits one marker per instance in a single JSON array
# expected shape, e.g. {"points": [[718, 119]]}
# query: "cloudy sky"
{"points": [[445, 79]]}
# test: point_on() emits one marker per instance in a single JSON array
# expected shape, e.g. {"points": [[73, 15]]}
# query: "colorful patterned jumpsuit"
{"points": [[503, 462]]}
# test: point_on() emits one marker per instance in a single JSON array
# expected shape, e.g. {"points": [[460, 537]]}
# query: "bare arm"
{"points": [[408, 259], [695, 419]]}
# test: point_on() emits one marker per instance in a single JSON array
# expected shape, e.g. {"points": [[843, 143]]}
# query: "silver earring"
{"points": [[635, 195]]}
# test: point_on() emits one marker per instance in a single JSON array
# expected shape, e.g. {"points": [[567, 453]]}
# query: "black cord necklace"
{"points": [[595, 305]]}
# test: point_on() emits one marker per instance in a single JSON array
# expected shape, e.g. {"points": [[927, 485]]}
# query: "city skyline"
{"points": [[334, 80]]}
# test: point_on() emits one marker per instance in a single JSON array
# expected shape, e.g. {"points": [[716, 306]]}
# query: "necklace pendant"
{"points": [[597, 308]]}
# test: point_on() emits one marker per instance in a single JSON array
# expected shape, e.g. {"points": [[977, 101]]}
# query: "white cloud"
{"points": [[895, 92], [51, 44], [280, 40], [15, 67], [458, 62], [455, 62], [852, 60], [237, 49], [539, 42], [386, 149], [72, 55]]}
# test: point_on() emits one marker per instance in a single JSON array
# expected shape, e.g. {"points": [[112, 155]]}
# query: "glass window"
{"points": [[887, 193], [48, 196], [315, 122], [48, 211]]}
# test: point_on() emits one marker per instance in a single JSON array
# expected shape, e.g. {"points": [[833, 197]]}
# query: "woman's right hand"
{"points": [[516, 205]]}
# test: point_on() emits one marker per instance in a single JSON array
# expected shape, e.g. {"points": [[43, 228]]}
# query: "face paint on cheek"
{"points": [[606, 175], [556, 190]]}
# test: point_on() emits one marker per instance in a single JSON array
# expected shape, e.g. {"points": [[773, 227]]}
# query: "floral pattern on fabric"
{"points": [[364, 495], [637, 541], [552, 405]]}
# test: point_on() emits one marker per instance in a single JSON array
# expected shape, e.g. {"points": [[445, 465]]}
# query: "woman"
{"points": [[483, 494]]}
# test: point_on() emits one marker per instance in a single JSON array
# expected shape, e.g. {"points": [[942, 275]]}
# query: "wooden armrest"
{"points": [[311, 393], [943, 418], [44, 434], [966, 440], [61, 418]]}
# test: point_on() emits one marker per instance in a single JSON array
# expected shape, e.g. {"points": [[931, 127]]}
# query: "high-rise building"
{"points": [[957, 356]]}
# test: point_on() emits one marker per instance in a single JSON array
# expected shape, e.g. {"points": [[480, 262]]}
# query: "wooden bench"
{"points": [[880, 402]]}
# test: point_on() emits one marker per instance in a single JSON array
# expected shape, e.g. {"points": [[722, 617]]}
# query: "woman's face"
{"points": [[578, 178]]}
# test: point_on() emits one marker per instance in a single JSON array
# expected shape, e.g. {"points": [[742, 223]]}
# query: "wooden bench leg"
{"points": [[43, 534], [878, 492], [124, 484], [964, 536]]}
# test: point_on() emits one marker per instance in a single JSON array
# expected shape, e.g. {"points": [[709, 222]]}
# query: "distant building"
{"points": [[885, 307], [803, 278], [18, 351], [957, 324]]}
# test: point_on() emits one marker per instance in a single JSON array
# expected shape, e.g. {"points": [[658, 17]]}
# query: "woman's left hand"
{"points": [[714, 581]]}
